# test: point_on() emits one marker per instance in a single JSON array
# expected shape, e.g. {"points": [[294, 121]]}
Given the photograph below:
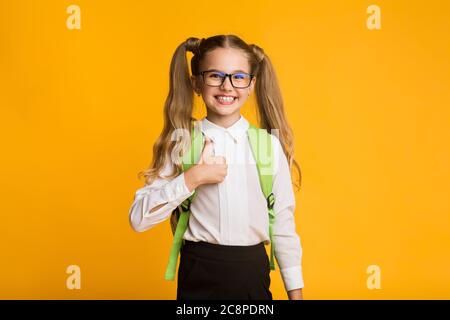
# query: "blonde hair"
{"points": [[180, 100]]}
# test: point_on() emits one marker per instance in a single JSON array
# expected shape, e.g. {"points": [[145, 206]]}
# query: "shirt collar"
{"points": [[237, 130]]}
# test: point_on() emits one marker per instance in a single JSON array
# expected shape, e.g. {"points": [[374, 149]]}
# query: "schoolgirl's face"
{"points": [[224, 100]]}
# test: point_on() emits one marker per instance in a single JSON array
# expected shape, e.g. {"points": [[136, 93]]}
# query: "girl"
{"points": [[223, 256]]}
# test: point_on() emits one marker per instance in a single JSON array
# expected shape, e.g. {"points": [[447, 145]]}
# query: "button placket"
{"points": [[230, 186], [223, 199], [243, 176]]}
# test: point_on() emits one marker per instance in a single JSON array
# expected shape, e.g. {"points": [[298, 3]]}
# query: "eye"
{"points": [[240, 76], [215, 75]]}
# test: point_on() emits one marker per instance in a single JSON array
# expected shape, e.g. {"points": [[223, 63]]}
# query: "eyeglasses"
{"points": [[215, 78]]}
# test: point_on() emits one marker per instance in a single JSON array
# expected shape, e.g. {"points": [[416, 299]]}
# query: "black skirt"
{"points": [[213, 271]]}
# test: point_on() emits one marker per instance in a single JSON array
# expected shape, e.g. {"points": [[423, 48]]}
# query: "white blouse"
{"points": [[233, 212]]}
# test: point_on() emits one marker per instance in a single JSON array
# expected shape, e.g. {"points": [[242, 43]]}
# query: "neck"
{"points": [[224, 121]]}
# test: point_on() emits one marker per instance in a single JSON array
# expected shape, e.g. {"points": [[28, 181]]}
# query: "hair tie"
{"points": [[259, 52], [192, 44]]}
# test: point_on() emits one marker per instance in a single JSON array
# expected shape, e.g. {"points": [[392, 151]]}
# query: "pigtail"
{"points": [[271, 107], [177, 115]]}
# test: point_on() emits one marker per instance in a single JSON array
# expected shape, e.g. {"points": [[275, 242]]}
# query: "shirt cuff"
{"points": [[172, 193], [292, 278], [175, 189]]}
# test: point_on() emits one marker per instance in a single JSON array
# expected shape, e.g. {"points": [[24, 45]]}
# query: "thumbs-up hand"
{"points": [[210, 169], [207, 156]]}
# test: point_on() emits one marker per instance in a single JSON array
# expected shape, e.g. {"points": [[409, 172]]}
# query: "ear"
{"points": [[195, 84], [252, 85]]}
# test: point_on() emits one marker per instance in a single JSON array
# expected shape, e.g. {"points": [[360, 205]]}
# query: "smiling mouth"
{"points": [[225, 101]]}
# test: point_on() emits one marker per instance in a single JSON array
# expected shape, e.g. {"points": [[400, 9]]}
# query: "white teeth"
{"points": [[226, 99]]}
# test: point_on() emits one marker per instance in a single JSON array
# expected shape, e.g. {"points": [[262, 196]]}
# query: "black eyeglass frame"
{"points": [[229, 76]]}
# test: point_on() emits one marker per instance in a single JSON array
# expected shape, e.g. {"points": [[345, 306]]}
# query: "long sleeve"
{"points": [[161, 191], [288, 249]]}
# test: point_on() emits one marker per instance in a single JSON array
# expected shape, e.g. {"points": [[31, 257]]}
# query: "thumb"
{"points": [[207, 150]]}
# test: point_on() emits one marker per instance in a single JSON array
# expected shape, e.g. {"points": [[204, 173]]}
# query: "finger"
{"points": [[223, 160], [220, 160], [208, 148], [216, 160]]}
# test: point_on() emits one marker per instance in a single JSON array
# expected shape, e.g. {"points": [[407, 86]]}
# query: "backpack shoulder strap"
{"points": [[190, 158], [261, 145]]}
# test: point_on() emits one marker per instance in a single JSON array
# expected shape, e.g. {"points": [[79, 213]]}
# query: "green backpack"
{"points": [[261, 145]]}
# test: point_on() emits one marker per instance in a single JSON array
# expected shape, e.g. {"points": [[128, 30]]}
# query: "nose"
{"points": [[226, 84]]}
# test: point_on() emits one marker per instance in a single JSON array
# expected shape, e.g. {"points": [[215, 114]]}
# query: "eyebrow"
{"points": [[225, 72]]}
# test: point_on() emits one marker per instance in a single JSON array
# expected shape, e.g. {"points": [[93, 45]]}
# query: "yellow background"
{"points": [[80, 110]]}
